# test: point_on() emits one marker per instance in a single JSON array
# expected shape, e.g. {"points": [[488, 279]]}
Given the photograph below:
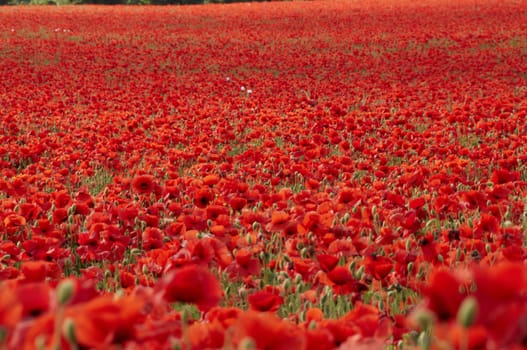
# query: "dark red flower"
{"points": [[192, 284], [327, 262], [34, 271], [203, 197], [265, 301], [35, 298], [443, 294], [340, 275], [267, 331], [143, 184], [152, 238], [378, 266], [238, 203]]}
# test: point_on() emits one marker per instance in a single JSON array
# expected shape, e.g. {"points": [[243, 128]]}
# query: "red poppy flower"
{"points": [[211, 180], [279, 217], [60, 215], [346, 195], [10, 308], [143, 184], [267, 331], [35, 298], [265, 301], [366, 317], [443, 294], [203, 197], [476, 337], [340, 331], [501, 176], [340, 275], [319, 339], [105, 320], [327, 262], [192, 284], [205, 335], [62, 199], [238, 203], [152, 238], [34, 271], [226, 316], [13, 223], [504, 282], [202, 251], [245, 264], [30, 211], [378, 266]]}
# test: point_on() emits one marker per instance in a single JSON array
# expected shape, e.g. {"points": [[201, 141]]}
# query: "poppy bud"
{"points": [[68, 330], [298, 279], [424, 319], [345, 218], [287, 285], [508, 224], [410, 267], [176, 344], [242, 292], [135, 251], [458, 254], [40, 342], [424, 340], [247, 343], [374, 213], [359, 273], [467, 312], [71, 210], [65, 291], [352, 266]]}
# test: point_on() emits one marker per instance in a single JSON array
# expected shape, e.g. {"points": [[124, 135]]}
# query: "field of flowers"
{"points": [[294, 175]]}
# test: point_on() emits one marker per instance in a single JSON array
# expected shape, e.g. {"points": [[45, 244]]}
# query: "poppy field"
{"points": [[282, 175]]}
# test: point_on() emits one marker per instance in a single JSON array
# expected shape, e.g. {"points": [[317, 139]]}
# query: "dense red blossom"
{"points": [[305, 158], [192, 284]]}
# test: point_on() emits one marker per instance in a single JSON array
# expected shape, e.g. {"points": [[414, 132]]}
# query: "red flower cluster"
{"points": [[279, 175]]}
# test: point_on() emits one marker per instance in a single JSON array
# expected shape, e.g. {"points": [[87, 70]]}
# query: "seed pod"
{"points": [[65, 292], [424, 340], [410, 267], [466, 315], [247, 343], [68, 330], [424, 318]]}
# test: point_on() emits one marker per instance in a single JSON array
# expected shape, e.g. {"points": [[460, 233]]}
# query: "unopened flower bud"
{"points": [[68, 330], [424, 340], [424, 319], [466, 315], [65, 292], [410, 267], [247, 343]]}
